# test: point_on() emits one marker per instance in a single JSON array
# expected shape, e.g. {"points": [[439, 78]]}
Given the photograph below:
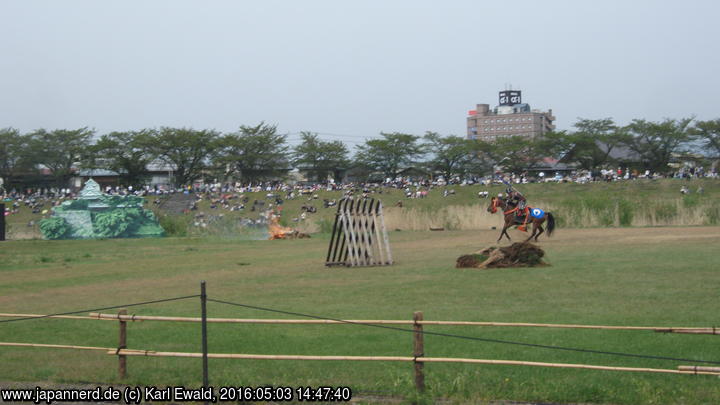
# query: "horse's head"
{"points": [[492, 208]]}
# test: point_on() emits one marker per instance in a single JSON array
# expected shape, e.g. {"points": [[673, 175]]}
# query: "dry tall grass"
{"points": [[452, 217], [620, 213]]}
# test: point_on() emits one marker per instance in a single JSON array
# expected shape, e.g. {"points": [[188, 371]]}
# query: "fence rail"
{"points": [[418, 351], [138, 318], [699, 370], [149, 353]]}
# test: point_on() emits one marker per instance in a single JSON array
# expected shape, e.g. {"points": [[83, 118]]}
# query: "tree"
{"points": [[319, 159], [60, 151], [254, 154], [519, 153], [454, 155], [127, 153], [14, 154], [389, 155], [552, 144], [656, 142], [592, 144], [708, 133], [187, 150]]}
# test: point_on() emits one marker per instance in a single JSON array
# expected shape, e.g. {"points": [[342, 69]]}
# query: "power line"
{"points": [[535, 345], [100, 309]]}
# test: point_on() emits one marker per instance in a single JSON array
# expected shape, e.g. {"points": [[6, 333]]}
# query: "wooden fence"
{"points": [[359, 237], [418, 357]]}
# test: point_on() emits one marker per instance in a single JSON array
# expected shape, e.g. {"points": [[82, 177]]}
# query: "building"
{"points": [[510, 117]]}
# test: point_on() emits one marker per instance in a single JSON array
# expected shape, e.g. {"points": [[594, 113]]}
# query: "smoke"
{"points": [[231, 228]]}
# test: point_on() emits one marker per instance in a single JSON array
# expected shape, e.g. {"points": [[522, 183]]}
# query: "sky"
{"points": [[349, 70]]}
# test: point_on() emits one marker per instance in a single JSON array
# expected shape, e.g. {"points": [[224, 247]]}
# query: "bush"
{"points": [[112, 224], [713, 215], [626, 212], [326, 224], [175, 225], [55, 228]]}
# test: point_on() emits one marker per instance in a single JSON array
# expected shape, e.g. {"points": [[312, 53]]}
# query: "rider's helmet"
{"points": [[508, 190]]}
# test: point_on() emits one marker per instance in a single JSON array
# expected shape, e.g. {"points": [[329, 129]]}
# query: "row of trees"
{"points": [[260, 153]]}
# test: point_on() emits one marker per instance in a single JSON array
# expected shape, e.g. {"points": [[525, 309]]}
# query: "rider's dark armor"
{"points": [[518, 200]]}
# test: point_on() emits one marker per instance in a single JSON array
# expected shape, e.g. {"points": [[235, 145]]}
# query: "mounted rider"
{"points": [[515, 198]]}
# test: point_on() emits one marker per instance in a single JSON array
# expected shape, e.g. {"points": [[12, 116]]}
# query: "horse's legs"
{"points": [[537, 226], [501, 234], [504, 232], [535, 229]]}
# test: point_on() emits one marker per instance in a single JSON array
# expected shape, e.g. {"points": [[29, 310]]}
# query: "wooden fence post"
{"points": [[418, 351], [122, 344], [2, 222], [203, 324]]}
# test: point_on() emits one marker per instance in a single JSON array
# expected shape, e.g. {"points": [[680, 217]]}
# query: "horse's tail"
{"points": [[551, 224]]}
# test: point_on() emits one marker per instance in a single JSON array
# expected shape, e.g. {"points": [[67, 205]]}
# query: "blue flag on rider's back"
{"points": [[537, 213]]}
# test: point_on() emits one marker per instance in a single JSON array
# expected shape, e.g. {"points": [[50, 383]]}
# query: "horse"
{"points": [[509, 210]]}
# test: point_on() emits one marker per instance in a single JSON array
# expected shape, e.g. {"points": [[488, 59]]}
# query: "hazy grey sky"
{"points": [[351, 68]]}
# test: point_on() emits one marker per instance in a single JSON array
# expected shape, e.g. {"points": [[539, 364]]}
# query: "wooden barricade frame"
{"points": [[359, 236]]}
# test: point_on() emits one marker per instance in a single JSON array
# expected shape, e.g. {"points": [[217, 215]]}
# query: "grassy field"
{"points": [[622, 276], [618, 204]]}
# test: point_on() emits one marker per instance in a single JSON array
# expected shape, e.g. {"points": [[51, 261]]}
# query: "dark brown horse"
{"points": [[511, 218]]}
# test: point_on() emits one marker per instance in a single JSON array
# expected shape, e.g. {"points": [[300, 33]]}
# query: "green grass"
{"points": [[650, 276]]}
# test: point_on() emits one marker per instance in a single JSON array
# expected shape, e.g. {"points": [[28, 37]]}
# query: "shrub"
{"points": [[112, 224], [326, 225], [713, 215], [55, 228], [626, 212], [175, 225]]}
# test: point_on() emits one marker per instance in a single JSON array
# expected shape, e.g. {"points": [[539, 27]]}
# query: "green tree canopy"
{"points": [[593, 142], [454, 155], [389, 155], [708, 133], [60, 150], [655, 142], [14, 154], [517, 153], [187, 150], [319, 159], [128, 153], [254, 154]]}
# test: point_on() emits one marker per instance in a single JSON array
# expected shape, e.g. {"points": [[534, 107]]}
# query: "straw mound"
{"points": [[295, 234], [515, 255]]}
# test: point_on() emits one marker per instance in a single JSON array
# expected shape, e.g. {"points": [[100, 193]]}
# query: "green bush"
{"points": [[626, 211], [55, 228], [691, 200], [326, 224], [112, 224], [713, 215], [175, 225], [665, 210]]}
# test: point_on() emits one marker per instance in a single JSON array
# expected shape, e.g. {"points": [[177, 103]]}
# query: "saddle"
{"points": [[523, 214], [522, 217]]}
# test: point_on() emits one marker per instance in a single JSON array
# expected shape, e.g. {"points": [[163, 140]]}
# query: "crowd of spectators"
{"points": [[227, 197]]}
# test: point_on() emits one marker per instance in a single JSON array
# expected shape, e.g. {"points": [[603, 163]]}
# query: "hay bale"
{"points": [[469, 261], [515, 255]]}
